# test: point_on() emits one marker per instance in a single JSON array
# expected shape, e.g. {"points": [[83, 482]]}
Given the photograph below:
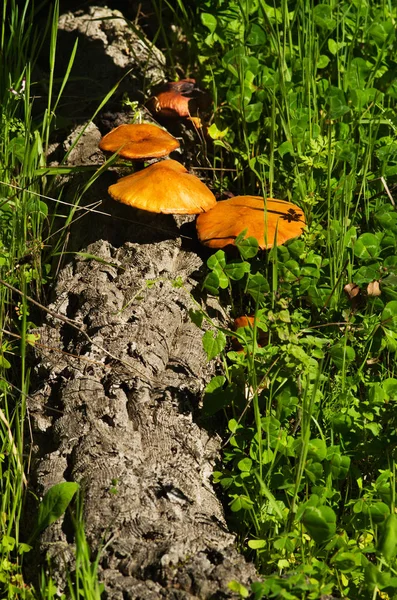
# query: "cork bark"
{"points": [[118, 412]]}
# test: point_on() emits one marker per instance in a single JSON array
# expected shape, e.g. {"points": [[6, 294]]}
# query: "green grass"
{"points": [[26, 228], [304, 110]]}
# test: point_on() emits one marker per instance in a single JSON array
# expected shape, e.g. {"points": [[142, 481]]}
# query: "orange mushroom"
{"points": [[243, 321], [270, 221], [178, 99], [248, 321], [164, 187], [139, 141]]}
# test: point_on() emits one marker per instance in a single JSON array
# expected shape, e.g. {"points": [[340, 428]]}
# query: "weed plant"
{"points": [[26, 223], [305, 110]]}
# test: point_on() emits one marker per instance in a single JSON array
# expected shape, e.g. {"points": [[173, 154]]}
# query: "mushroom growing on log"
{"points": [[178, 100], [139, 141], [271, 222], [164, 187]]}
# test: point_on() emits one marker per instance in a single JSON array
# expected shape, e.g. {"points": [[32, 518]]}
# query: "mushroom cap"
{"points": [[248, 321], [220, 226], [170, 104], [139, 141], [243, 321], [165, 187], [178, 99]]}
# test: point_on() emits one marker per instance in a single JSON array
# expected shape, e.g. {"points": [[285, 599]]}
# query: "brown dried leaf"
{"points": [[373, 289], [352, 290]]}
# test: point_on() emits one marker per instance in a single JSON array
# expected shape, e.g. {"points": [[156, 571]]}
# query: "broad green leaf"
{"points": [[315, 471], [4, 363], [322, 14], [209, 21], [245, 464], [54, 503], [296, 248], [387, 545], [217, 260], [386, 217], [235, 55], [322, 61], [374, 578], [357, 73], [342, 355], [241, 503], [389, 316], [238, 588], [23, 548], [318, 296], [238, 97], [7, 543], [336, 103], [317, 449], [367, 273], [211, 283], [346, 561], [390, 263], [257, 35], [290, 270], [376, 394], [233, 425], [196, 316], [252, 112], [215, 396], [286, 148], [285, 543], [382, 32], [257, 286], [247, 246], [367, 246], [389, 386], [379, 511], [215, 133], [340, 465], [216, 383], [213, 343], [237, 269], [257, 544], [374, 428], [307, 271], [334, 47], [361, 98], [320, 522], [217, 263]]}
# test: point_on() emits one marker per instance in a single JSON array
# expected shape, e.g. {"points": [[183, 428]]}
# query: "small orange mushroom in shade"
{"points": [[243, 321], [248, 321], [139, 141], [178, 99], [165, 187], [270, 221]]}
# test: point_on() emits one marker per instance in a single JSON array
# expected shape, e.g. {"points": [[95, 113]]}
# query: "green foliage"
{"points": [[54, 504], [304, 108], [26, 226]]}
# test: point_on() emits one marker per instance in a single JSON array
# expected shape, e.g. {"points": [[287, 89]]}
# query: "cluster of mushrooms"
{"points": [[167, 187]]}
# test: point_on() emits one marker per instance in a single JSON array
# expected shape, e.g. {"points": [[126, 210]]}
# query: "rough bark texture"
{"points": [[120, 420], [110, 51], [119, 375]]}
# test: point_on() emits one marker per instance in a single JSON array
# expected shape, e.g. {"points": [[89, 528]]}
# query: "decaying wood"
{"points": [[127, 430], [115, 405]]}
